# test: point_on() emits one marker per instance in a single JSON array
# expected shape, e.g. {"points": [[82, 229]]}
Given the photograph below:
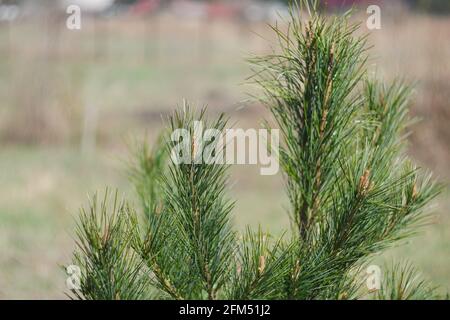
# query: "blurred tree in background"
{"points": [[435, 6]]}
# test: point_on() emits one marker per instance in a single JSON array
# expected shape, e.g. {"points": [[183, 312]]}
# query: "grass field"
{"points": [[131, 72]]}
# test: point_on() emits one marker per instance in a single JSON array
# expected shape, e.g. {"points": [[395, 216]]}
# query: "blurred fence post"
{"points": [[205, 39], [152, 32], [100, 37], [89, 134], [9, 39], [8, 14]]}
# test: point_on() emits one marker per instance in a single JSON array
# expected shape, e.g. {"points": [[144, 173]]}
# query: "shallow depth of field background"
{"points": [[71, 102]]}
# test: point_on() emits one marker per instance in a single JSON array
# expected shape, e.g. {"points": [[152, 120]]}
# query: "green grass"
{"points": [[37, 207]]}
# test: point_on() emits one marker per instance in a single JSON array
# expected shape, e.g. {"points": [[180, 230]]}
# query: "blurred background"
{"points": [[72, 101]]}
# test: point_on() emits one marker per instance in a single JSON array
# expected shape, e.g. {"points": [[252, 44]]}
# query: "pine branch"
{"points": [[144, 171], [260, 268], [403, 282], [352, 191], [153, 238], [110, 269], [309, 89], [195, 197]]}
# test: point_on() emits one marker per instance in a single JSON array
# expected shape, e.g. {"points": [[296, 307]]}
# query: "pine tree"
{"points": [[352, 190]]}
